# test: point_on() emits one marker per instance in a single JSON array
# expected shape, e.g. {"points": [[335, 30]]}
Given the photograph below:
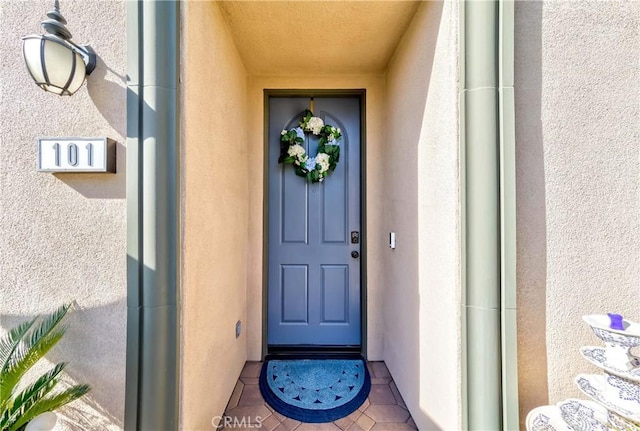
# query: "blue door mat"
{"points": [[315, 390]]}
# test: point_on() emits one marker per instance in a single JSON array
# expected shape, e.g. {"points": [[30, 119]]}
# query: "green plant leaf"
{"points": [[51, 403], [26, 358], [23, 401], [10, 341], [33, 346], [21, 348]]}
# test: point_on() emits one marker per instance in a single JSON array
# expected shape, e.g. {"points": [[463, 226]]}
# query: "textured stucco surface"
{"points": [[577, 81], [214, 215], [311, 37], [222, 102], [62, 237], [423, 282], [421, 200]]}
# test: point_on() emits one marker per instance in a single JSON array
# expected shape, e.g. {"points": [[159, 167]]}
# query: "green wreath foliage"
{"points": [[314, 169]]}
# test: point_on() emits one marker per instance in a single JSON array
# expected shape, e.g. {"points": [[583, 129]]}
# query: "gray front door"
{"points": [[313, 279]]}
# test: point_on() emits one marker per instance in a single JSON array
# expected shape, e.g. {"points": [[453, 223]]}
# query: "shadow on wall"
{"points": [[408, 89], [105, 86], [109, 97], [101, 186], [94, 349], [530, 209]]}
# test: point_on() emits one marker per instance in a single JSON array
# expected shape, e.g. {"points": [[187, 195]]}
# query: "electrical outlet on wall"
{"points": [[238, 328]]}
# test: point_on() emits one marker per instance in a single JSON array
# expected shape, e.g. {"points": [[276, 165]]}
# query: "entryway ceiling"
{"points": [[317, 37]]}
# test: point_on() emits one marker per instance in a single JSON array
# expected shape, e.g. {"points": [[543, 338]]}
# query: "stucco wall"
{"points": [[421, 203], [577, 88], [214, 214], [376, 237], [63, 236]]}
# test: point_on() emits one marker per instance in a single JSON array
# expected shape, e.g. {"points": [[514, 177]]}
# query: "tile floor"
{"points": [[383, 410]]}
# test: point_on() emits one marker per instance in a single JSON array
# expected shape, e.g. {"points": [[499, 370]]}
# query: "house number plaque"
{"points": [[76, 155]]}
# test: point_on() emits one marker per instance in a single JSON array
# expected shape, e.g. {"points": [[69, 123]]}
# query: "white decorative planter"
{"points": [[44, 422], [615, 393]]}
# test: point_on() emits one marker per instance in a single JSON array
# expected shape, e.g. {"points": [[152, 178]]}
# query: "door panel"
{"points": [[294, 215], [313, 293], [294, 294], [335, 294]]}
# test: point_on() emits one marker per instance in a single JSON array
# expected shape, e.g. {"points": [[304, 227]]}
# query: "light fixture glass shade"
{"points": [[53, 64]]}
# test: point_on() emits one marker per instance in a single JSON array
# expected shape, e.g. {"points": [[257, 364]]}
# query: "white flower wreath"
{"points": [[314, 169]]}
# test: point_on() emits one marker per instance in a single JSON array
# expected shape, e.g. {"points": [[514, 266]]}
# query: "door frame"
{"points": [[360, 94]]}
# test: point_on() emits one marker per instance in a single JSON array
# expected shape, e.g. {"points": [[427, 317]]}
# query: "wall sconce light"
{"points": [[55, 63]]}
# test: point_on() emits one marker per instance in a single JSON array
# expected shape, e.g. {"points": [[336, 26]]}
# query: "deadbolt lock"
{"points": [[355, 237]]}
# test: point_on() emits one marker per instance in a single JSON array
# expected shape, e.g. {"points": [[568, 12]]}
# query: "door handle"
{"points": [[355, 254]]}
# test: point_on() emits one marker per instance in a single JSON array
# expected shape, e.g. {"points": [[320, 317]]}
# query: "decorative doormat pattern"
{"points": [[315, 390]]}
